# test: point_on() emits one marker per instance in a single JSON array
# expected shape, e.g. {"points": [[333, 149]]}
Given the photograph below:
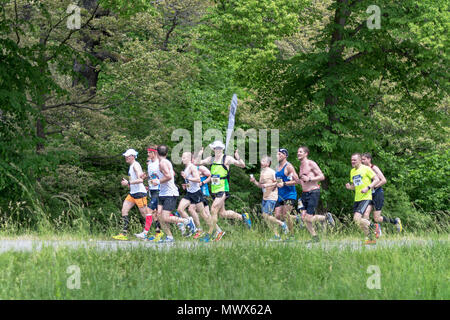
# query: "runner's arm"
{"points": [[138, 174], [375, 180], [237, 161], [206, 173], [291, 170], [350, 186], [318, 174], [164, 168], [257, 183], [198, 159], [380, 176]]}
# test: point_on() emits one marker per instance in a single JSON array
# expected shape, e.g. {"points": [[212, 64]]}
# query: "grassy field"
{"points": [[241, 270], [241, 266]]}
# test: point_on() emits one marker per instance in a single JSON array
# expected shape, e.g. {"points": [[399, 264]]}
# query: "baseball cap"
{"points": [[284, 151], [130, 152], [217, 144]]}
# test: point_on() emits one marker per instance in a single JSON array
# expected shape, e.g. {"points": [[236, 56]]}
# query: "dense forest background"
{"points": [[74, 97]]}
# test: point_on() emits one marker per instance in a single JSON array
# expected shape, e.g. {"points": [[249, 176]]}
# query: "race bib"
{"points": [[215, 180], [357, 180], [153, 175]]}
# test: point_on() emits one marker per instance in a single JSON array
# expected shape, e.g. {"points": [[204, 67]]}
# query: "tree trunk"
{"points": [[334, 59]]}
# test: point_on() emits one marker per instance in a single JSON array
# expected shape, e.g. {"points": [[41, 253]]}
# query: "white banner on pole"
{"points": [[231, 117]]}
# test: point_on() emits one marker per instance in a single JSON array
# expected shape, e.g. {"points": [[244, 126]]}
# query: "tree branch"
{"points": [[16, 23], [357, 29], [359, 54], [172, 27], [79, 104], [73, 31]]}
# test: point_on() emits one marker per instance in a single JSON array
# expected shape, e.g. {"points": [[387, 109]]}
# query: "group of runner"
{"points": [[280, 207], [164, 194]]}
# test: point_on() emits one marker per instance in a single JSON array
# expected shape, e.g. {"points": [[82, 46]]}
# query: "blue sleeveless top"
{"points": [[204, 188], [286, 192]]}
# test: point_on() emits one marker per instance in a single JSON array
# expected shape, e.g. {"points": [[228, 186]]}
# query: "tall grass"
{"points": [[238, 271]]}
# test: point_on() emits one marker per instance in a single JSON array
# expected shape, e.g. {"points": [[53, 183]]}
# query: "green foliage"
{"points": [[71, 101], [427, 180]]}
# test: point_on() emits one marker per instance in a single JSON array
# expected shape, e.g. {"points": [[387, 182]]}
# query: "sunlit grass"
{"points": [[237, 271]]}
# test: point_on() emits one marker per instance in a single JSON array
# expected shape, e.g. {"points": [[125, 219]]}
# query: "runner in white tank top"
{"points": [[168, 188], [138, 193], [194, 194], [132, 173], [168, 195]]}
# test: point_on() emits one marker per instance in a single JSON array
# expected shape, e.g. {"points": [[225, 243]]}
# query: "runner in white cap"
{"points": [[137, 195]]}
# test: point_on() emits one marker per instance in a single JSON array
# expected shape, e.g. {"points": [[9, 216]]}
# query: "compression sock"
{"points": [[125, 224], [148, 222], [386, 219]]}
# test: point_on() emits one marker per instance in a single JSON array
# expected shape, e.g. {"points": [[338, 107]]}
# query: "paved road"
{"points": [[36, 245]]}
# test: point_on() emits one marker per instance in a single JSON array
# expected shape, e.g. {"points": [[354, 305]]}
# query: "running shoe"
{"points": [[188, 233], [198, 234], [142, 235], [284, 228], [120, 236], [219, 235], [191, 226], [158, 236], [398, 224], [370, 241], [377, 230], [205, 238], [181, 227], [330, 219], [247, 220], [166, 240]]}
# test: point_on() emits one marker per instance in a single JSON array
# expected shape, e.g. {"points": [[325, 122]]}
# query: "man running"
{"points": [[287, 194], [205, 178], [168, 195], [220, 185], [137, 195], [268, 183], [378, 197], [362, 181], [310, 175], [194, 194], [153, 191]]}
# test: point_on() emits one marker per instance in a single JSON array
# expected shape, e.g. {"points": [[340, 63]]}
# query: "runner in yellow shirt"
{"points": [[362, 180]]}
